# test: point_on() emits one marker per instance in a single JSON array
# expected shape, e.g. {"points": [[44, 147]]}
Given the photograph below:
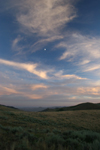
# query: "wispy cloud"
{"points": [[18, 47], [45, 91], [15, 42], [38, 86], [89, 91], [85, 48], [33, 96], [75, 91], [42, 42], [42, 19], [61, 75], [91, 67], [45, 17], [84, 62], [7, 91], [32, 68], [29, 67], [4, 90]]}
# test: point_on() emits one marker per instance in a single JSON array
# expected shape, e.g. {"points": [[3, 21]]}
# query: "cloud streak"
{"points": [[89, 91], [92, 67], [61, 75], [38, 86], [7, 91], [40, 73], [28, 67], [46, 91], [4, 90], [75, 91]]}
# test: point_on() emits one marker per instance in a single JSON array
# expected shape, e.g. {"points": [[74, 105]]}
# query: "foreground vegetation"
{"points": [[72, 130]]}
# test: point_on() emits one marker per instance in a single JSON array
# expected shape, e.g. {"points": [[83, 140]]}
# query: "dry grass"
{"points": [[74, 120]]}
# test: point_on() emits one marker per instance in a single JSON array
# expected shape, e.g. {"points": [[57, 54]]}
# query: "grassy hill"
{"points": [[60, 130], [3, 107], [82, 106]]}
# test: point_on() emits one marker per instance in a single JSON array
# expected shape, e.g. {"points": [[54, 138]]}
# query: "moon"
{"points": [[44, 49]]}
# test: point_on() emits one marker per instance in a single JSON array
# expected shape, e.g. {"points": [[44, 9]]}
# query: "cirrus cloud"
{"points": [[45, 17], [5, 90], [29, 67], [86, 48]]}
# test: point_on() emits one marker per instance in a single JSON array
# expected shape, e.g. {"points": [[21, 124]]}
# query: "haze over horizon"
{"points": [[49, 52]]}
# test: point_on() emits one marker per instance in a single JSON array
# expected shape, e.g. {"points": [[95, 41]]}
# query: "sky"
{"points": [[49, 52]]}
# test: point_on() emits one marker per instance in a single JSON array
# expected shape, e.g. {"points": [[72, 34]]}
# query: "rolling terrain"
{"points": [[82, 106], [59, 130]]}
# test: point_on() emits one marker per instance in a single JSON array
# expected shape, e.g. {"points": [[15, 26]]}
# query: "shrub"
{"points": [[54, 139], [3, 117], [9, 113], [56, 131]]}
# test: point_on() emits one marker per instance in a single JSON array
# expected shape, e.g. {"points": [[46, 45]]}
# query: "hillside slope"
{"points": [[9, 108], [82, 106]]}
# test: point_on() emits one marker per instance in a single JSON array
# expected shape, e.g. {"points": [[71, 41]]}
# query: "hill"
{"points": [[82, 106], [3, 107]]}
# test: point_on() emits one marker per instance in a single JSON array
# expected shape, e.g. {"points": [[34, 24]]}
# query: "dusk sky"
{"points": [[49, 52]]}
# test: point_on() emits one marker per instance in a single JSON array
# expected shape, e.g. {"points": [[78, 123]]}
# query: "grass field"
{"points": [[67, 130]]}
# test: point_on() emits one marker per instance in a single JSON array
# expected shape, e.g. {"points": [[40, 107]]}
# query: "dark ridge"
{"points": [[48, 109], [9, 107], [12, 107], [82, 106]]}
